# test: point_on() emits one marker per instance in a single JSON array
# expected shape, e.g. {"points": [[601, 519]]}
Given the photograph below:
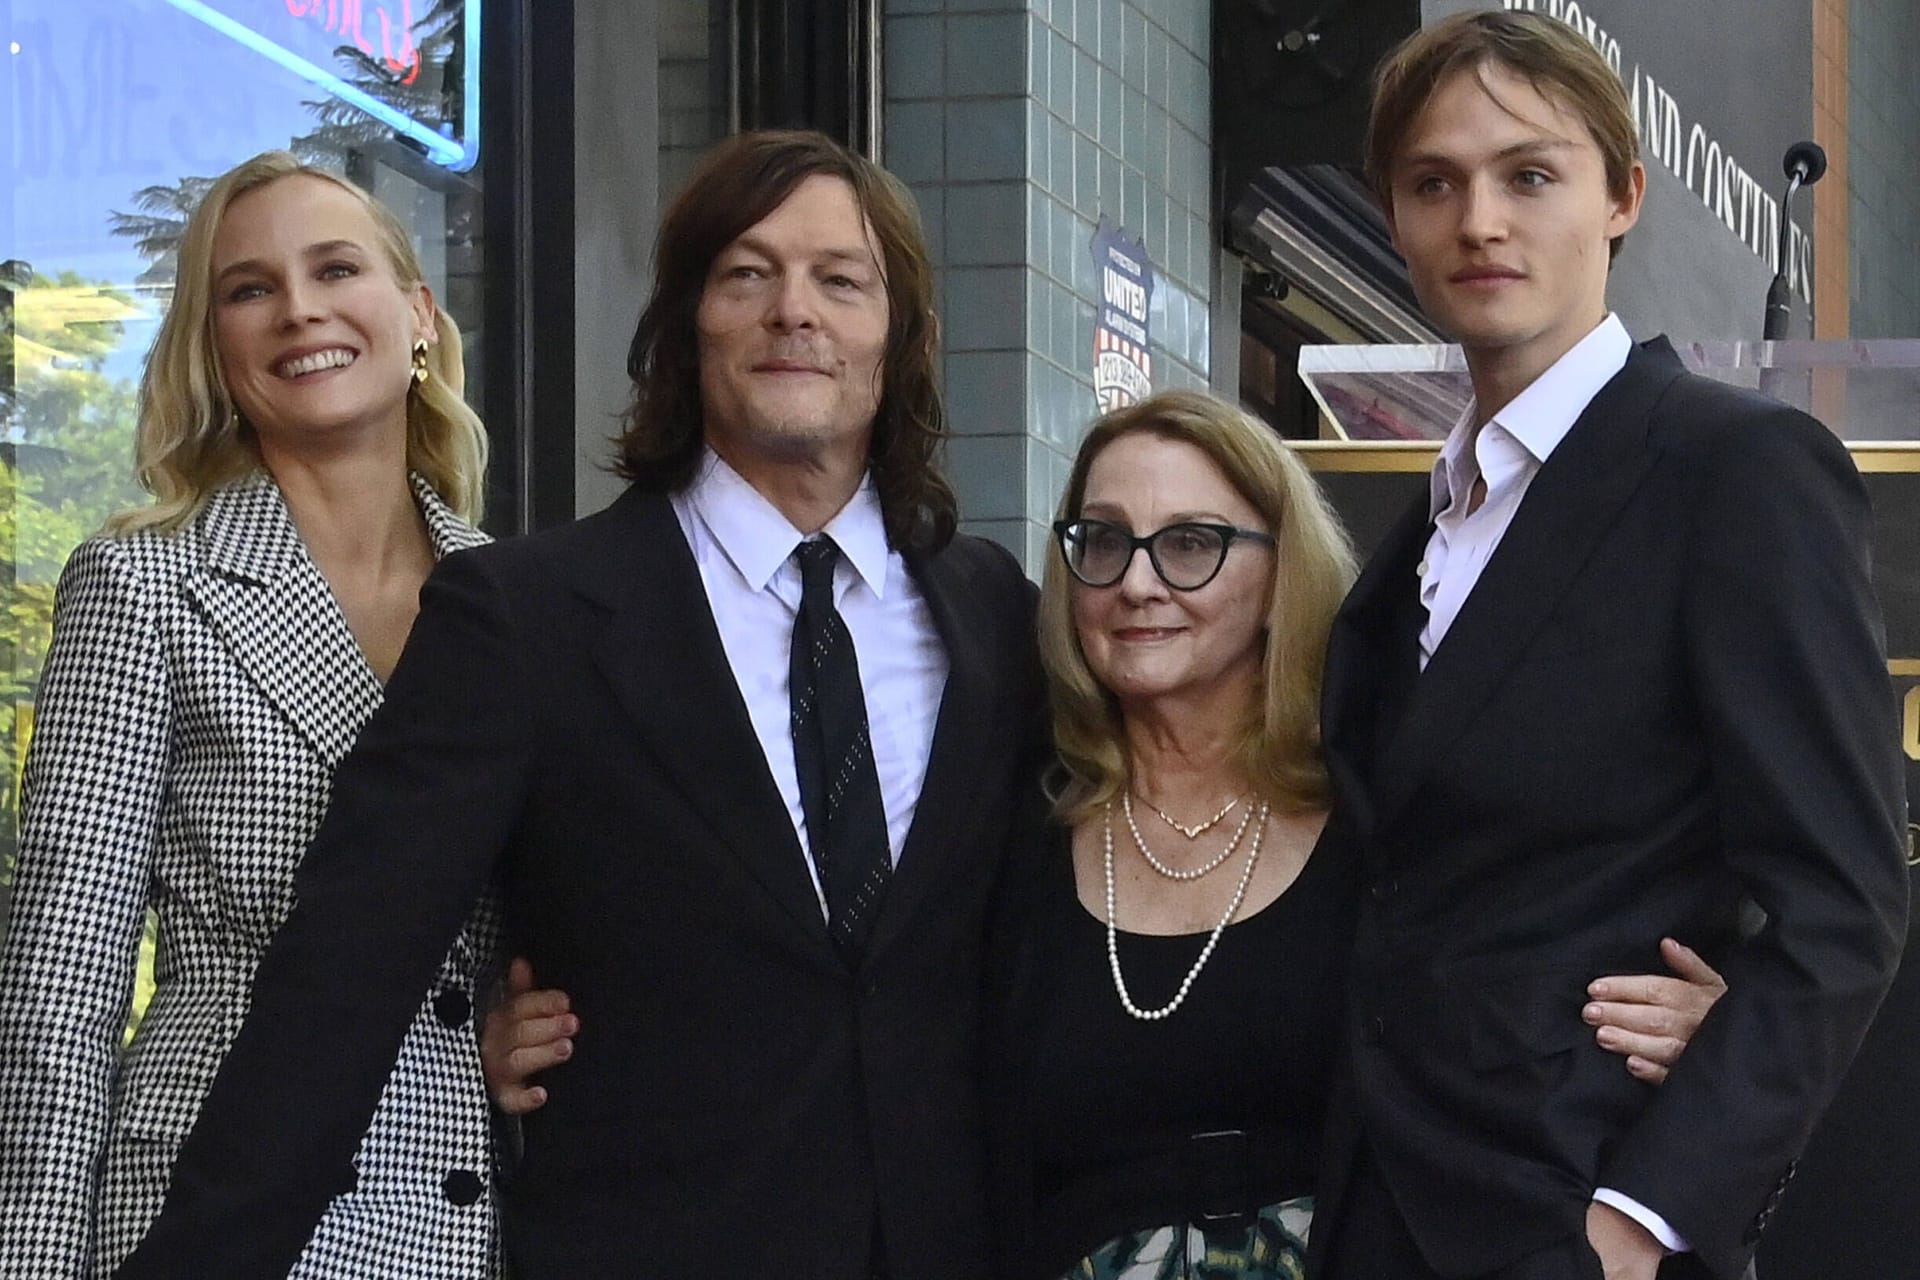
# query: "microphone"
{"points": [[1805, 164], [1806, 161]]}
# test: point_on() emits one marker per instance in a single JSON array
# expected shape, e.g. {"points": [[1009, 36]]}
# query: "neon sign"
{"points": [[344, 18], [385, 37]]}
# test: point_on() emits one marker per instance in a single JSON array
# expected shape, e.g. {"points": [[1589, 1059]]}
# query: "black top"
{"points": [[1128, 1124]]}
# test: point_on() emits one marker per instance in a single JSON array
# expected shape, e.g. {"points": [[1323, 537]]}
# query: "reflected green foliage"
{"points": [[142, 978], [66, 464]]}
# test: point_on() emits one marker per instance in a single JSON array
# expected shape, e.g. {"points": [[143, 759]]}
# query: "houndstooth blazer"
{"points": [[201, 689]]}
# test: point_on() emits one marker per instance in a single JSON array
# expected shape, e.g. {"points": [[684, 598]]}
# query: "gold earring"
{"points": [[420, 373]]}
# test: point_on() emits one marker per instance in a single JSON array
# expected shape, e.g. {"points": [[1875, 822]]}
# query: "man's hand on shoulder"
{"points": [[1627, 1250]]}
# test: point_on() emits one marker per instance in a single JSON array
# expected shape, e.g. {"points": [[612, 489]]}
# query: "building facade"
{"points": [[1119, 195]]}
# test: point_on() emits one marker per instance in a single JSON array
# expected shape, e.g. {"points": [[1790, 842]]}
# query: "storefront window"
{"points": [[119, 113]]}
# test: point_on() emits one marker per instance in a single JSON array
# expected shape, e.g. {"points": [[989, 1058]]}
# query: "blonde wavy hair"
{"points": [[1279, 743], [190, 439]]}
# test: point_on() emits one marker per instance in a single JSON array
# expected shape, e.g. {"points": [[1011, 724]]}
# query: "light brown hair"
{"points": [[741, 181], [1549, 55], [1279, 745], [191, 439]]}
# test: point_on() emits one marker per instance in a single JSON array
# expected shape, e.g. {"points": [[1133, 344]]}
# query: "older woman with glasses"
{"points": [[1173, 978], [1172, 997], [1168, 982]]}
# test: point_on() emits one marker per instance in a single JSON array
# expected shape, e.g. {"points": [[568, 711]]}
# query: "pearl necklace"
{"points": [[1126, 807], [1193, 831], [1186, 983]]}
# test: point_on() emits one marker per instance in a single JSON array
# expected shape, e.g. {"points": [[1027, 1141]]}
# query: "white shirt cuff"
{"points": [[1658, 1227]]}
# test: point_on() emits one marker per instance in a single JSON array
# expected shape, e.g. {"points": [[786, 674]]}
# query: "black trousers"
{"points": [[1371, 1242]]}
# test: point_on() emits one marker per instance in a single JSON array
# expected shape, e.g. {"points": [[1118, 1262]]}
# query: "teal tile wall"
{"points": [[1019, 126]]}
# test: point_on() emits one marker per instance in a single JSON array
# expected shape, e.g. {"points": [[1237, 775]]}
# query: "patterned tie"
{"points": [[833, 754]]}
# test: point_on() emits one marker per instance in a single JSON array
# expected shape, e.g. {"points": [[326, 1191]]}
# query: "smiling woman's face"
{"points": [[1143, 640], [314, 333]]}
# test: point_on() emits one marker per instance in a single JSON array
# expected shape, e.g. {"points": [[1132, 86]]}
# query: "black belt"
{"points": [[1218, 1179]]}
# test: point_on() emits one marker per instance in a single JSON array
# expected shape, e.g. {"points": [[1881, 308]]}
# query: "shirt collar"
{"points": [[753, 534], [1540, 417]]}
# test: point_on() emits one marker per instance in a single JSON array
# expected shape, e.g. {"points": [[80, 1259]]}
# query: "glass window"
{"points": [[120, 113]]}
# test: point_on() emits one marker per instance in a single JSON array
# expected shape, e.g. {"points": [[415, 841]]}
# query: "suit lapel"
{"points": [[1363, 650], [661, 654], [447, 531], [1569, 507], [278, 618], [963, 737]]}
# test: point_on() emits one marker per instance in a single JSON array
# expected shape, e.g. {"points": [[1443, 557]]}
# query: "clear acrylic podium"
{"points": [[1386, 408]]}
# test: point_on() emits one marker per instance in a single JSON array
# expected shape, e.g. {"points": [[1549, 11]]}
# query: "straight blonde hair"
{"points": [[190, 439], [1278, 747]]}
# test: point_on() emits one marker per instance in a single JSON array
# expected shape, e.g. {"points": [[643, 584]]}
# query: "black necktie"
{"points": [[839, 789]]}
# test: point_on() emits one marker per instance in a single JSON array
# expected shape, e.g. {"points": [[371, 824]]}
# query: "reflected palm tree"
{"points": [[158, 225], [424, 77], [428, 86]]}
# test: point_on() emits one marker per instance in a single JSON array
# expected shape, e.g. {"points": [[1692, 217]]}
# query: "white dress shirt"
{"points": [[744, 549], [1508, 453]]}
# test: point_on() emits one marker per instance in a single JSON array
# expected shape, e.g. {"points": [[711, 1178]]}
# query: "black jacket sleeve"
{"points": [[421, 810], [1789, 676]]}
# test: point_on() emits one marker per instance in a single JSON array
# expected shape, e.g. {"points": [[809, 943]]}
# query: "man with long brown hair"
{"points": [[1622, 667], [745, 747]]}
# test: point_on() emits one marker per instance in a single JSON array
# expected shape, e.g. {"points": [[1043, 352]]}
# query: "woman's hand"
{"points": [[1648, 1019], [525, 1034]]}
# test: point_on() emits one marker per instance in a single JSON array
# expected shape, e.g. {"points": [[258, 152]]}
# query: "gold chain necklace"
{"points": [[1193, 831], [1126, 807]]}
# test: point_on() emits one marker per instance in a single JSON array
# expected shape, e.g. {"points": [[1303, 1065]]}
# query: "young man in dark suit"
{"points": [[1622, 669], [745, 748]]}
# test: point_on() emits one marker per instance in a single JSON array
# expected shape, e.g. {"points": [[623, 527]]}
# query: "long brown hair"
{"points": [[741, 181]]}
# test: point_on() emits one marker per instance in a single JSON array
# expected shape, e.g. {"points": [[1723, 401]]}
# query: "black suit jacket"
{"points": [[1668, 689], [740, 1104]]}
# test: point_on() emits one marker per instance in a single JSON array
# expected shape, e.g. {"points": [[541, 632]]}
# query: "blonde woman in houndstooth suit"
{"points": [[214, 656]]}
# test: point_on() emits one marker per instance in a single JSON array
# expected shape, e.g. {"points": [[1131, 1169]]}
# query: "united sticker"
{"points": [[1122, 359]]}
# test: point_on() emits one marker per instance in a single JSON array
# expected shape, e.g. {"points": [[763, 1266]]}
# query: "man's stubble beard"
{"points": [[793, 440]]}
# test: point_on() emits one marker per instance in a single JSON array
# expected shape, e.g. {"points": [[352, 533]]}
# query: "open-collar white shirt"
{"points": [[1508, 453], [744, 549]]}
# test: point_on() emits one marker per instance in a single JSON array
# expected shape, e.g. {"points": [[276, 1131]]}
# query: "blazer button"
{"points": [[462, 1187], [452, 1008], [1374, 1030], [1384, 889]]}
